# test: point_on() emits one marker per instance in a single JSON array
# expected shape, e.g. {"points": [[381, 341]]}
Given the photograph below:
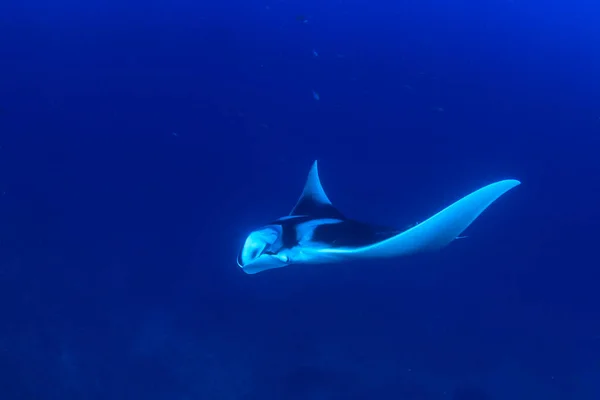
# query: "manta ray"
{"points": [[316, 232]]}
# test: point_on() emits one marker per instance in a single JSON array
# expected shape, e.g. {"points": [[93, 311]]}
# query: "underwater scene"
{"points": [[299, 200]]}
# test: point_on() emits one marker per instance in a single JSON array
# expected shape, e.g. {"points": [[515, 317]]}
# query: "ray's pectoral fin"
{"points": [[314, 201], [437, 231]]}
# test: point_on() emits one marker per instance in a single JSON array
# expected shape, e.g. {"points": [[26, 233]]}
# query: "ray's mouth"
{"points": [[264, 252]]}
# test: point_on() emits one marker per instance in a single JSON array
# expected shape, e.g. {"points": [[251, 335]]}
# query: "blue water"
{"points": [[142, 141]]}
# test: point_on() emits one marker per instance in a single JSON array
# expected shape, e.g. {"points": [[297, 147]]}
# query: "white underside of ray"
{"points": [[433, 234], [313, 189]]}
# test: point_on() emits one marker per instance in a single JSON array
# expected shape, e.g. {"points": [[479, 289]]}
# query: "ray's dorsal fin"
{"points": [[314, 202]]}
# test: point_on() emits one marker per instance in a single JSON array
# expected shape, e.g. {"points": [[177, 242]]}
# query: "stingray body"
{"points": [[315, 232]]}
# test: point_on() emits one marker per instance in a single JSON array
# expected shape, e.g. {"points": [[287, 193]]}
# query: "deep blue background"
{"points": [[140, 143]]}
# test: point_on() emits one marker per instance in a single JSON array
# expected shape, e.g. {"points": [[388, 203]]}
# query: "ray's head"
{"points": [[262, 251]]}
